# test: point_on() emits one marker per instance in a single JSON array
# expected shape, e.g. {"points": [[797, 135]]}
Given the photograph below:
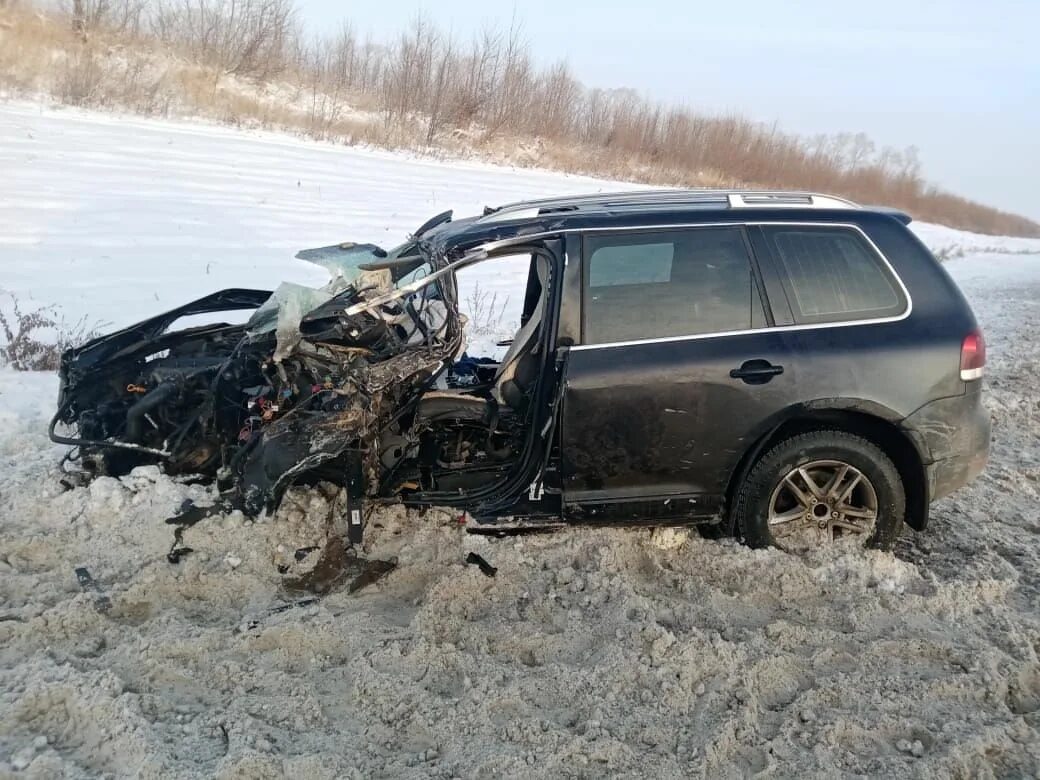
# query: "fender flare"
{"points": [[819, 408]]}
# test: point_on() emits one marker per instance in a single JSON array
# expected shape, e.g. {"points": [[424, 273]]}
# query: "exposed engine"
{"points": [[309, 386]]}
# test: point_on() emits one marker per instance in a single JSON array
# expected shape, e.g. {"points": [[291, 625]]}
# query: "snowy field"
{"points": [[592, 653]]}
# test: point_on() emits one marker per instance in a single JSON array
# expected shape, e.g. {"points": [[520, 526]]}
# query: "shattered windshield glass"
{"points": [[353, 268], [344, 259]]}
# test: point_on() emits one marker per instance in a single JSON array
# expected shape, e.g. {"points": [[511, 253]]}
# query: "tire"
{"points": [[778, 482]]}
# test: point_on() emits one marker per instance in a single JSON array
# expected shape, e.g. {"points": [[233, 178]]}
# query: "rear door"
{"points": [[848, 346], [677, 368]]}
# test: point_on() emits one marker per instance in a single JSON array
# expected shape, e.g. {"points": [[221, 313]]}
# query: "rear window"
{"points": [[833, 274]]}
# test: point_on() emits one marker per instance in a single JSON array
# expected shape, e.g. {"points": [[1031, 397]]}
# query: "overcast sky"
{"points": [[959, 79]]}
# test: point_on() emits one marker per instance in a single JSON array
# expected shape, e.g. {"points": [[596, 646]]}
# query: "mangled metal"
{"points": [[351, 383], [300, 385]]}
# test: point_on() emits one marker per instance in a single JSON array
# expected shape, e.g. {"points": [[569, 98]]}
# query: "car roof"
{"points": [[640, 208], [644, 200]]}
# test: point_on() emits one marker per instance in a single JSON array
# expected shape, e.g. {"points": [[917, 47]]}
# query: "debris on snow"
{"points": [[486, 568]]}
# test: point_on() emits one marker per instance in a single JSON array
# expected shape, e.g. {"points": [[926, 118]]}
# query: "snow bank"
{"points": [[591, 653]]}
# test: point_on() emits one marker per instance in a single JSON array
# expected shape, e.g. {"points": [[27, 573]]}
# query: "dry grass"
{"points": [[244, 62], [484, 310], [35, 340]]}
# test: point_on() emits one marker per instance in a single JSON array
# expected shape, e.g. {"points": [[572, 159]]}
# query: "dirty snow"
{"points": [[620, 652]]}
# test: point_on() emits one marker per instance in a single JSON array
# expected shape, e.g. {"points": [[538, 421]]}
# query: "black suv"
{"points": [[789, 367]]}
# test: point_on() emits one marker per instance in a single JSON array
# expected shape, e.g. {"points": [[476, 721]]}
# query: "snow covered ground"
{"points": [[621, 652]]}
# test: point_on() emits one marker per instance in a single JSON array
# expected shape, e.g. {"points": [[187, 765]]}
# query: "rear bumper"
{"points": [[956, 432]]}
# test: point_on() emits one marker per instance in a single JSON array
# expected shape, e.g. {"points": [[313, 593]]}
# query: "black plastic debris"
{"points": [[188, 514], [303, 552], [177, 553], [74, 477], [102, 603], [485, 567]]}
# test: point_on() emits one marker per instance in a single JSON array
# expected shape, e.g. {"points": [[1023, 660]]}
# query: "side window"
{"points": [[668, 283], [632, 264], [832, 274]]}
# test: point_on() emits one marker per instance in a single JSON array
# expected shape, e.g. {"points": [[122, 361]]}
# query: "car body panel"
{"points": [[957, 432], [655, 420], [661, 419]]}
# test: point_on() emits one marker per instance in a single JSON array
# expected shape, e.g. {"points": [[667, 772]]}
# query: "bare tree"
{"points": [[79, 19], [437, 94], [250, 38], [114, 16]]}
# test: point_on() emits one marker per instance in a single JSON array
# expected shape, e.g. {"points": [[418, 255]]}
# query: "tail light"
{"points": [[973, 356]]}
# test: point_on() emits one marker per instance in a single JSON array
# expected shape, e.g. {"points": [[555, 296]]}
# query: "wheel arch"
{"points": [[874, 422]]}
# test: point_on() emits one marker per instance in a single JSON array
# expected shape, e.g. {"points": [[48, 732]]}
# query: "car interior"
{"points": [[467, 433]]}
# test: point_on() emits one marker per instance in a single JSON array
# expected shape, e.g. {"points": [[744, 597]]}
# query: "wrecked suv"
{"points": [[787, 367]]}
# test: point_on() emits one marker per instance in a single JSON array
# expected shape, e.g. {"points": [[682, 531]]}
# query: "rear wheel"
{"points": [[817, 488]]}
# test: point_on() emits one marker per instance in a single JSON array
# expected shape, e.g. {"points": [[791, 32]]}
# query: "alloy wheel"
{"points": [[820, 502]]}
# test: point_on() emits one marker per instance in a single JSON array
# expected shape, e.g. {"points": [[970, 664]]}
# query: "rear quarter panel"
{"points": [[901, 365]]}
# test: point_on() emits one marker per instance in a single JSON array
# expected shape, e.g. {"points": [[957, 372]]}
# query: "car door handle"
{"points": [[756, 372]]}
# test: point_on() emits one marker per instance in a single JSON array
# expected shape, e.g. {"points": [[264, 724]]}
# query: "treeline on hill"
{"points": [[247, 61]]}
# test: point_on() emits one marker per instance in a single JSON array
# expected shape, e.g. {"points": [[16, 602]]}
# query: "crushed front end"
{"points": [[301, 390]]}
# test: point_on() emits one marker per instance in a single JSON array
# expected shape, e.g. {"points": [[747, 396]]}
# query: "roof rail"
{"points": [[734, 199], [738, 200], [505, 213]]}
